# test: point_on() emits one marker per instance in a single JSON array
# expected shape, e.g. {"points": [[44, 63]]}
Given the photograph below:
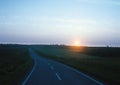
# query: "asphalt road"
{"points": [[48, 72]]}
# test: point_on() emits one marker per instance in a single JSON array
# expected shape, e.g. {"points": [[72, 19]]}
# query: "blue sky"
{"points": [[91, 22]]}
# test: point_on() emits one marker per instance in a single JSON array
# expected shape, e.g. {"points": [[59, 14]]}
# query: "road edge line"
{"points": [[87, 76], [25, 81], [79, 72]]}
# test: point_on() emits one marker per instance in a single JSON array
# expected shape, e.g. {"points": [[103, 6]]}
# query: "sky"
{"points": [[89, 22]]}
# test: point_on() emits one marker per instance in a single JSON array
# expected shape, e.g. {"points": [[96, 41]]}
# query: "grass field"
{"points": [[98, 62], [15, 63]]}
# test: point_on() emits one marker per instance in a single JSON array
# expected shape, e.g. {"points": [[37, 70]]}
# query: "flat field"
{"points": [[102, 63], [15, 63]]}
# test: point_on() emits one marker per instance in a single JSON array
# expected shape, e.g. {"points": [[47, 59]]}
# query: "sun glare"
{"points": [[77, 43]]}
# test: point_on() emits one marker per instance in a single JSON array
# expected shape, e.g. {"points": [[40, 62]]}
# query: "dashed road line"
{"points": [[59, 78]]}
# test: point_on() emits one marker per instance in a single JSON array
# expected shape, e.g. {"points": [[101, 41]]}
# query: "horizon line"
{"points": [[58, 45]]}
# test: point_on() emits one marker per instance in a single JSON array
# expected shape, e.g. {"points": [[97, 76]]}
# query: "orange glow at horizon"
{"points": [[77, 43], [77, 46]]}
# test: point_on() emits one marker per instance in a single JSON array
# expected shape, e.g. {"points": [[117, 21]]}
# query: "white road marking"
{"points": [[58, 76], [25, 81], [81, 73]]}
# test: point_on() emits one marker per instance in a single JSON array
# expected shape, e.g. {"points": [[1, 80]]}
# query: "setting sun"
{"points": [[77, 43]]}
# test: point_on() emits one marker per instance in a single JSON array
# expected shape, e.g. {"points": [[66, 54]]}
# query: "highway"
{"points": [[49, 72]]}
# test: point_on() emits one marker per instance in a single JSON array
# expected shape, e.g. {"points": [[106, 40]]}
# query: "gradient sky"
{"points": [[92, 22]]}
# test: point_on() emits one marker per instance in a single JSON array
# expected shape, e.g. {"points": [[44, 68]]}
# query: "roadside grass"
{"points": [[105, 69], [15, 62]]}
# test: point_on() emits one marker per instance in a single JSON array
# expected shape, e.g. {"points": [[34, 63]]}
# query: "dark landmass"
{"points": [[102, 63]]}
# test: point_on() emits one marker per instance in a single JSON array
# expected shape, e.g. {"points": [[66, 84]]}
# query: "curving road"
{"points": [[48, 72]]}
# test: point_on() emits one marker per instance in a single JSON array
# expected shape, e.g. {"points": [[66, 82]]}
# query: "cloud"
{"points": [[44, 21], [68, 21], [38, 20]]}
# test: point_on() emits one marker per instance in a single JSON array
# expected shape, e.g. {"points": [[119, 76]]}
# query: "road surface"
{"points": [[48, 72]]}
